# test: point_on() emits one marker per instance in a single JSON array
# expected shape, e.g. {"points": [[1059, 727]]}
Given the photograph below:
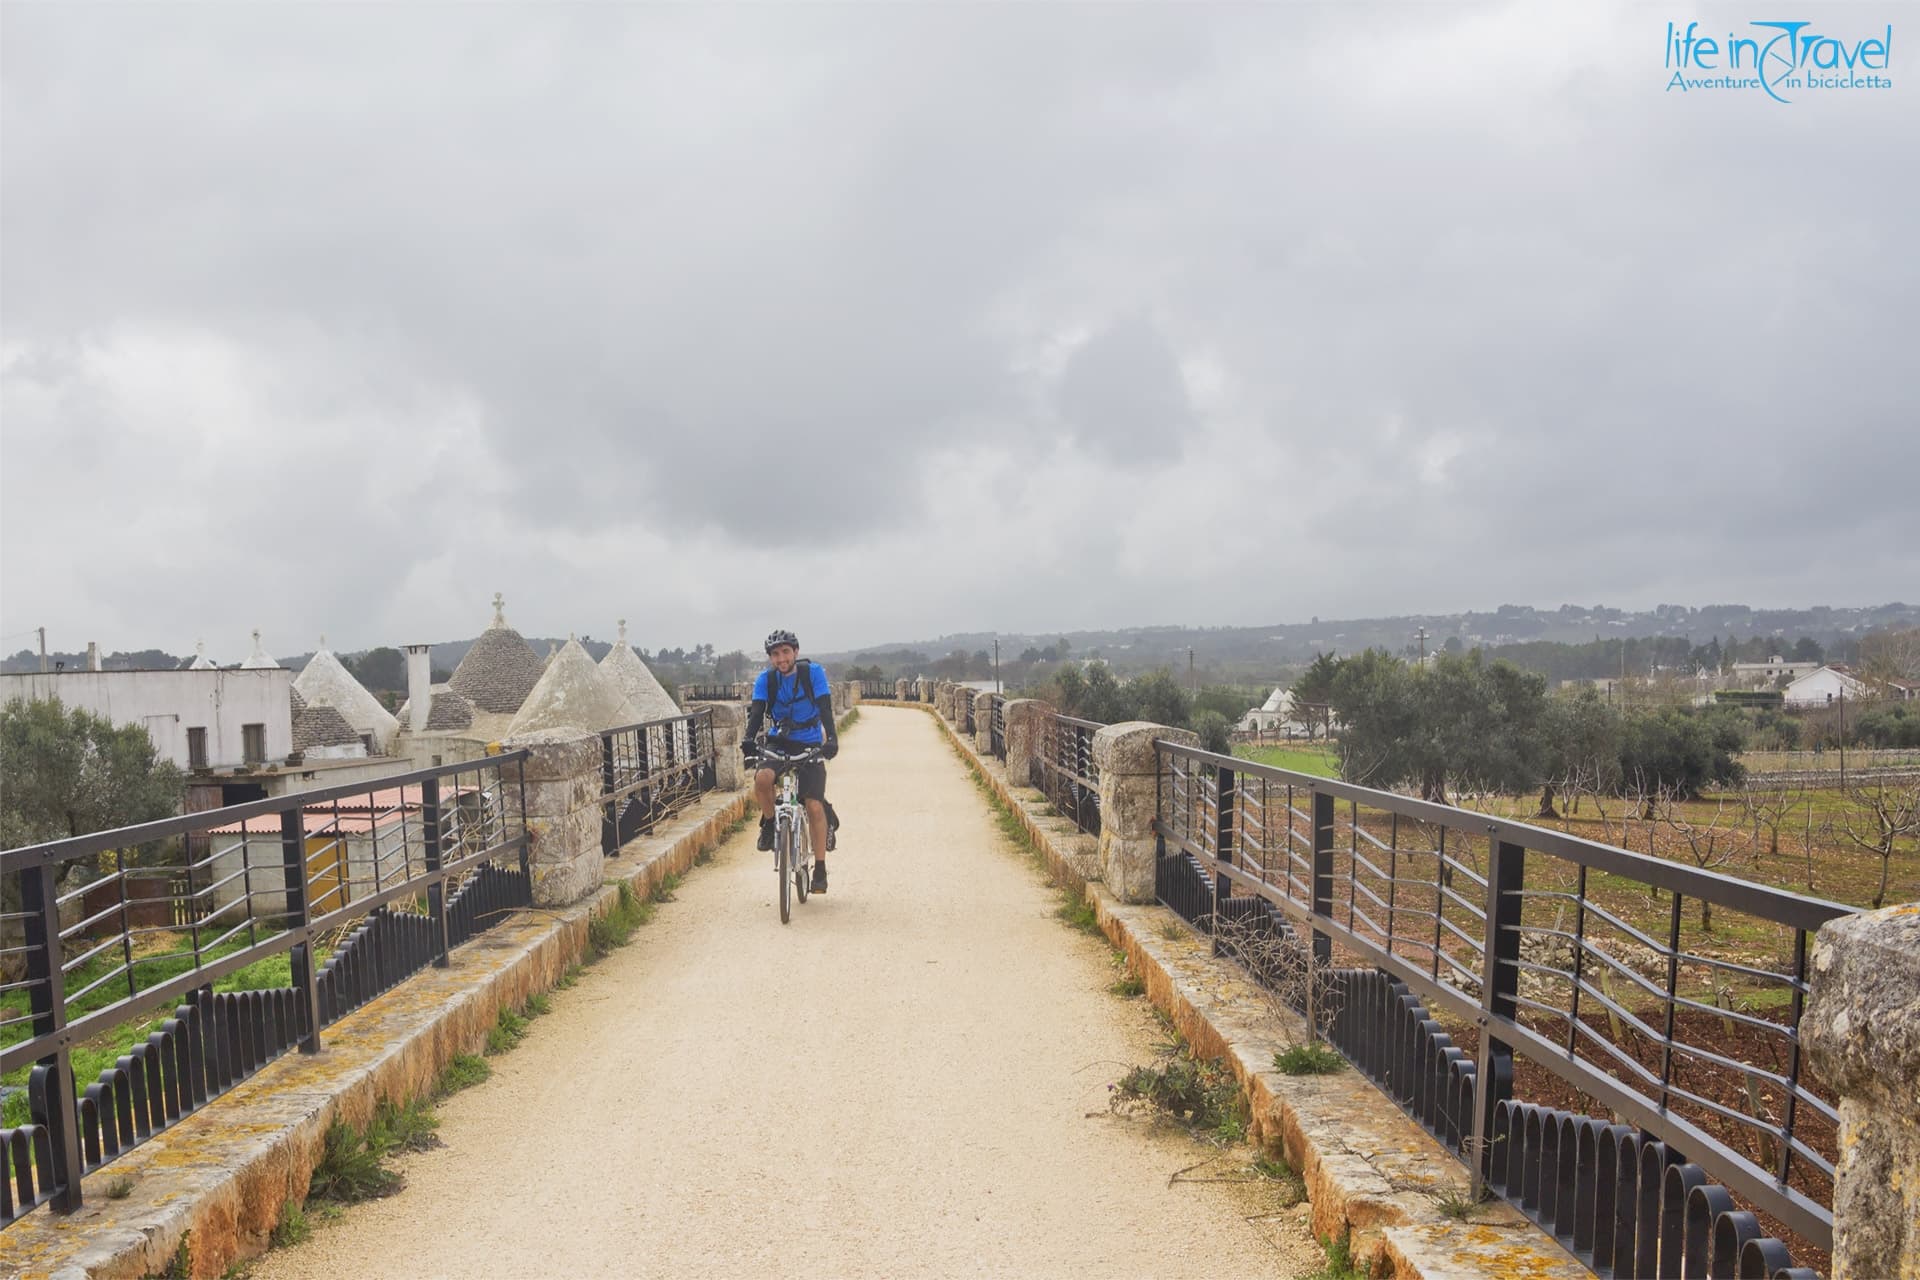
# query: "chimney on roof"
{"points": [[93, 655], [419, 686]]}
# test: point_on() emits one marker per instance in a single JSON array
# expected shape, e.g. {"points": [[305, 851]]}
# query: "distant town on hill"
{"points": [[1568, 642]]}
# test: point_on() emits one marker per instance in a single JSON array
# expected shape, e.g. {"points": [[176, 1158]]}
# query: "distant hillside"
{"points": [[1267, 651]]}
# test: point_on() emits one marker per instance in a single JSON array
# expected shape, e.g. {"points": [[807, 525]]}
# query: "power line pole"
{"points": [[43, 649], [1190, 685], [1422, 633], [996, 664]]}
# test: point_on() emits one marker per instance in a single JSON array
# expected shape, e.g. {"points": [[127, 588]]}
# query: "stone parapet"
{"points": [[901, 688], [1129, 777], [1023, 717], [1862, 1035], [729, 724], [563, 813], [983, 722]]}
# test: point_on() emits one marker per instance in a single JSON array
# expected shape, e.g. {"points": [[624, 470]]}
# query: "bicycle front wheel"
{"points": [[783, 865]]}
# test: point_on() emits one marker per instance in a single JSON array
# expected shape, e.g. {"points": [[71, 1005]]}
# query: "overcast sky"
{"points": [[879, 322]]}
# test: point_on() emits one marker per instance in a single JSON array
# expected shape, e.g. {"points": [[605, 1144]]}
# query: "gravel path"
{"points": [[898, 1083]]}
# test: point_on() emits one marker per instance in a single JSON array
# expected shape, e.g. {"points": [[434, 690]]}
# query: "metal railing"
{"points": [[1063, 768], [717, 692], [1621, 1081], [111, 928], [649, 772], [877, 688], [997, 728]]}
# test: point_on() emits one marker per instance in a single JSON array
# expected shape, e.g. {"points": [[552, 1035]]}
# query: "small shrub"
{"points": [[569, 978], [293, 1227], [538, 1005], [1202, 1095], [465, 1071], [1314, 1059], [1173, 930], [349, 1170], [120, 1188], [180, 1266], [1128, 987], [664, 891], [1339, 1260]]}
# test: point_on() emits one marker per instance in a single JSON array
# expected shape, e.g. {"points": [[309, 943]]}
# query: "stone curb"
{"points": [[1369, 1169], [221, 1178]]}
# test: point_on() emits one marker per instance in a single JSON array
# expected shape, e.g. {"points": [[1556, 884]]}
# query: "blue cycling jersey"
{"points": [[791, 713]]}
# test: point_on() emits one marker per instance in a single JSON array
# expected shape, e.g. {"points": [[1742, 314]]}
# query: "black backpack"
{"points": [[802, 691]]}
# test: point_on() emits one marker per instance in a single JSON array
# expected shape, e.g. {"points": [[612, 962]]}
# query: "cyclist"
{"points": [[792, 697]]}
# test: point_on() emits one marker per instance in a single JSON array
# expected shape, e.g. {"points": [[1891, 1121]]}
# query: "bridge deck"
{"points": [[897, 1083]]}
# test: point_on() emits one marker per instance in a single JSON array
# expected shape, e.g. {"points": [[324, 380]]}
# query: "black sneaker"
{"points": [[832, 840], [766, 835], [819, 877]]}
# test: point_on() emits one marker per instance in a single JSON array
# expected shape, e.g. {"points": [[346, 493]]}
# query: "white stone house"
{"points": [[1824, 686], [201, 718]]}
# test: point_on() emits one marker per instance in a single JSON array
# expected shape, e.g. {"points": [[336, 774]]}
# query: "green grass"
{"points": [[1458, 1203], [1340, 1265], [538, 1005], [180, 1266], [1128, 987], [668, 886], [1077, 912], [1318, 761], [293, 1227], [120, 1188], [465, 1071], [614, 929], [1314, 1059], [1173, 931], [569, 978], [506, 1032]]}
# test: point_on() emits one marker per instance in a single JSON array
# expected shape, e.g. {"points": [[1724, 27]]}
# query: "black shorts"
{"points": [[812, 780]]}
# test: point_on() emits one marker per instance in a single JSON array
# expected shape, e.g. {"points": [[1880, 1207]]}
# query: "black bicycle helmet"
{"points": [[777, 638]]}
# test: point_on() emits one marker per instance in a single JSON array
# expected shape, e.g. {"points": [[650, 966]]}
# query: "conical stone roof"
{"points": [[326, 683], [201, 662], [446, 710], [500, 670], [574, 694], [642, 687], [258, 659], [321, 726]]}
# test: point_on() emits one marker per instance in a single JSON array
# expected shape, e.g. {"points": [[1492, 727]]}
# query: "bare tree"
{"points": [[1291, 979], [1711, 843], [1891, 655], [1768, 808], [1878, 818]]}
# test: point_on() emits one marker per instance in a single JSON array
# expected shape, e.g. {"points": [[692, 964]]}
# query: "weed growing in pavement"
{"points": [[504, 1035], [350, 1170], [293, 1227], [1077, 912], [120, 1188], [1204, 1096], [1340, 1264], [664, 891], [538, 1005], [1459, 1203], [1313, 1059], [567, 979], [465, 1071], [1276, 1169], [180, 1267]]}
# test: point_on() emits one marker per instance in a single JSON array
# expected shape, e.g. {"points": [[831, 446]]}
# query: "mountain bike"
{"points": [[792, 843]]}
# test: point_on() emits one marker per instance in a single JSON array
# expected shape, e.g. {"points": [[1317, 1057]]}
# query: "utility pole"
{"points": [[1843, 739], [1422, 634], [1190, 685], [43, 649], [996, 664]]}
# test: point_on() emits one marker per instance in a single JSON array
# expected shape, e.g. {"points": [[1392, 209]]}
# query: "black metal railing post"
{"points": [[1322, 876], [293, 864], [1499, 987], [1222, 847], [436, 888], [52, 1105], [610, 808]]}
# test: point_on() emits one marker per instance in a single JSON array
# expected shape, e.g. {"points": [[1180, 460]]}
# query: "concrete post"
{"points": [[1129, 782], [563, 813], [950, 707], [900, 688], [729, 723], [1023, 737], [1862, 1033], [924, 687], [983, 722]]}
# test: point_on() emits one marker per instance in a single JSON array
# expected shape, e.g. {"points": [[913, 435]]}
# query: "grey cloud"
{"points": [[655, 254]]}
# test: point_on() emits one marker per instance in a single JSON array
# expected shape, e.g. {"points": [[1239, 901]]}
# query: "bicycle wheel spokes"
{"points": [[783, 841]]}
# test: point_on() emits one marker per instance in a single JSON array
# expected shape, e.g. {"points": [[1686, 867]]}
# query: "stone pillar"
{"points": [[900, 688], [1862, 1032], [950, 705], [924, 688], [563, 813], [853, 694], [1129, 776], [729, 723], [983, 722], [1023, 737]]}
